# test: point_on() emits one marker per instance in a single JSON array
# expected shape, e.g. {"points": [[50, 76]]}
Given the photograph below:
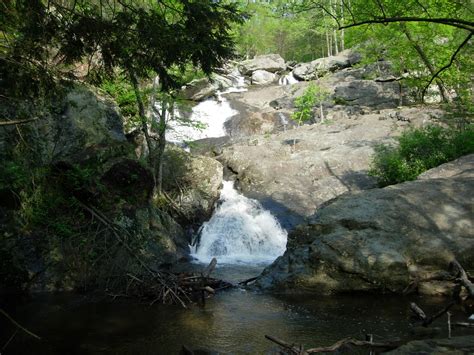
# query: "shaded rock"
{"points": [[129, 179], [193, 182], [199, 89], [380, 240], [89, 126], [268, 62], [368, 93], [263, 77]]}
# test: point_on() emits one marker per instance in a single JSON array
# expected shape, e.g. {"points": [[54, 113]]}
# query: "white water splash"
{"points": [[211, 113], [288, 79], [240, 231]]}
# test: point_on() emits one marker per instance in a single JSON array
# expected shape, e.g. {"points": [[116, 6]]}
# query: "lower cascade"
{"points": [[240, 231]]}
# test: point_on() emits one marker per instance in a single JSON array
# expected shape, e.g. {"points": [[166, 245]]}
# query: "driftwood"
{"points": [[299, 350], [157, 286], [19, 326], [462, 279]]}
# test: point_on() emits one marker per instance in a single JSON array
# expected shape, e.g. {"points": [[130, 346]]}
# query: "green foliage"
{"points": [[419, 150], [273, 27], [304, 104]]}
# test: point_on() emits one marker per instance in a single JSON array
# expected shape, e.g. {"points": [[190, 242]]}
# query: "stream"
{"points": [[244, 237]]}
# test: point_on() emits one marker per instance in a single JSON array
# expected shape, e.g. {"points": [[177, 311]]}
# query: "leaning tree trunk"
{"points": [[144, 124], [162, 143], [426, 62]]}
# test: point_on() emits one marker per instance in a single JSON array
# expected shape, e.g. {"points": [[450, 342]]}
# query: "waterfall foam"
{"points": [[211, 113], [240, 231], [288, 79]]}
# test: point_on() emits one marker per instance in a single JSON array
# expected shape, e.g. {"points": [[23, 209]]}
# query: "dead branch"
{"points": [[16, 324], [15, 122], [462, 277], [289, 347], [298, 350], [210, 268]]}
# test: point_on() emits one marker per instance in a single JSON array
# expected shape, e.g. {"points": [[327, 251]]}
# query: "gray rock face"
{"points": [[263, 77], [269, 62], [382, 239], [89, 125], [368, 93], [321, 66], [305, 167]]}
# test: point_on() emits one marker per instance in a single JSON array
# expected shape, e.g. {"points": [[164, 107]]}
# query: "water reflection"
{"points": [[233, 322]]}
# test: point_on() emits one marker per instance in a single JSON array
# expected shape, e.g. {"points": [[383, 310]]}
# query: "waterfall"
{"points": [[210, 114], [240, 231], [288, 79]]}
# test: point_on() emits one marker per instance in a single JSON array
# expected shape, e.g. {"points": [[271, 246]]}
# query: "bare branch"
{"points": [[465, 25], [18, 325], [15, 122]]}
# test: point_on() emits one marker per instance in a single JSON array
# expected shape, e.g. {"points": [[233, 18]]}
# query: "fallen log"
{"points": [[299, 350]]}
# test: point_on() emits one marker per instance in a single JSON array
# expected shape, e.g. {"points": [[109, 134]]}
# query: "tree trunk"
{"points": [[327, 42], [162, 143], [342, 21], [144, 124], [426, 62], [322, 112]]}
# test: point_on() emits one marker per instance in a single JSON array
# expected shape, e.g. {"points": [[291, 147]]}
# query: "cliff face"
{"points": [[75, 183]]}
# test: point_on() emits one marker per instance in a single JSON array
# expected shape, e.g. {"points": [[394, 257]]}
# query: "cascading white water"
{"points": [[240, 231], [288, 79], [211, 113]]}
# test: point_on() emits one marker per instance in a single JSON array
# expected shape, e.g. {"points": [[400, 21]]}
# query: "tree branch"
{"points": [[453, 57], [465, 25], [15, 122], [18, 325]]}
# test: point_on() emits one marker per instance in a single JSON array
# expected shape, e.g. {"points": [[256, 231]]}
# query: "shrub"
{"points": [[419, 150]]}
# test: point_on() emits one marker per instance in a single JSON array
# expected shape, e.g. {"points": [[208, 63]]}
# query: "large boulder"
{"points": [[321, 66], [89, 126], [268, 62], [263, 77], [194, 183], [368, 93], [383, 239]]}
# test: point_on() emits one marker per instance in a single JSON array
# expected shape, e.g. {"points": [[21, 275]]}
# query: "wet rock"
{"points": [[381, 239], [268, 62]]}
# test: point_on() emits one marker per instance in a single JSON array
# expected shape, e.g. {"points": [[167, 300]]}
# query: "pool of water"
{"points": [[234, 321]]}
